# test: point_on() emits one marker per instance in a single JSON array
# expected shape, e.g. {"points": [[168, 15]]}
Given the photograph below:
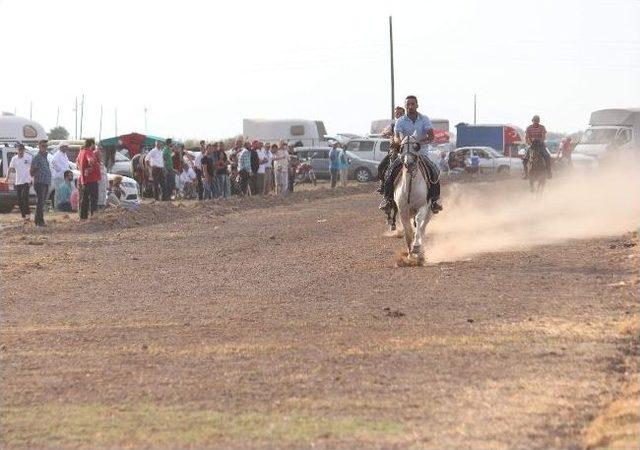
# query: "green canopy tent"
{"points": [[134, 143]]}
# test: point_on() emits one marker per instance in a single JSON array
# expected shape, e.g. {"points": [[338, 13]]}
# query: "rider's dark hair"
{"points": [[411, 96]]}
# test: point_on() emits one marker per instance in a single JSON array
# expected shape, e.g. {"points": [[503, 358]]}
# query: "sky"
{"points": [[200, 67]]}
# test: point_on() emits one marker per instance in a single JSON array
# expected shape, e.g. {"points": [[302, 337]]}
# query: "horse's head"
{"points": [[410, 149]]}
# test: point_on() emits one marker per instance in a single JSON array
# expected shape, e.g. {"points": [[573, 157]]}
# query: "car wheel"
{"points": [[362, 175]]}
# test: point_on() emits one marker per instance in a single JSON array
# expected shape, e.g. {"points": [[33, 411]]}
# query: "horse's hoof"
{"points": [[392, 228]]}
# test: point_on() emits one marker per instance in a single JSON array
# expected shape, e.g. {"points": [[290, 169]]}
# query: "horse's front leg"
{"points": [[422, 218], [405, 219]]}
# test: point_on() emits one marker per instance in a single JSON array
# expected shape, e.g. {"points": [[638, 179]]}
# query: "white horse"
{"points": [[410, 195]]}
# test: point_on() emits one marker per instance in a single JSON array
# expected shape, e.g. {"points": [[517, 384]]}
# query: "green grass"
{"points": [[92, 425]]}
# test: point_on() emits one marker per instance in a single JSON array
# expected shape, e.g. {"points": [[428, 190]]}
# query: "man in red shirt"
{"points": [[536, 132], [89, 177]]}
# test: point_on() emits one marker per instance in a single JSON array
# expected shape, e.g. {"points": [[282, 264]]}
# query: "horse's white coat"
{"points": [[414, 208]]}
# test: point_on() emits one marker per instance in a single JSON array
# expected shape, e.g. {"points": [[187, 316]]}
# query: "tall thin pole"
{"points": [[100, 129], [475, 108], [58, 117], [81, 115], [393, 84], [30, 110], [75, 110]]}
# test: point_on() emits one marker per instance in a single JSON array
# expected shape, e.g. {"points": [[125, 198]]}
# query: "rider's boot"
{"points": [[385, 205], [436, 206]]}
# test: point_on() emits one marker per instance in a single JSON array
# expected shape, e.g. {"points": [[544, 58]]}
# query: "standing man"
{"points": [[536, 132], [222, 172], [264, 171], [244, 170], [334, 164], [197, 165], [21, 165], [566, 149], [41, 180], [59, 165], [413, 124], [263, 160], [344, 165], [255, 167], [281, 167], [169, 176], [156, 162], [90, 176]]}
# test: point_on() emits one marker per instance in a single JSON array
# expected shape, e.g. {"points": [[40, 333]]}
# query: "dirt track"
{"points": [[289, 327]]}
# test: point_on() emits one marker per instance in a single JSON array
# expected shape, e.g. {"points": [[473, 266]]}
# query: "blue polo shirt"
{"points": [[408, 127]]}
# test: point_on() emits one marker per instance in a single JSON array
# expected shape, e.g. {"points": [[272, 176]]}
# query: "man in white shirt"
{"points": [[155, 160], [21, 165], [281, 167], [263, 157], [59, 165]]}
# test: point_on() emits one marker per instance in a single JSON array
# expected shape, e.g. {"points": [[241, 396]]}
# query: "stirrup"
{"points": [[385, 205]]}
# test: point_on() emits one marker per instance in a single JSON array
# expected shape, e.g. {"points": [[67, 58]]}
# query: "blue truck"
{"points": [[506, 139]]}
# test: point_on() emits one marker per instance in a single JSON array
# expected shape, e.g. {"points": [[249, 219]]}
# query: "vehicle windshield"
{"points": [[598, 136]]}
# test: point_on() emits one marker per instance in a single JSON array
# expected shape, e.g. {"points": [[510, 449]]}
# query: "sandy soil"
{"points": [[284, 324]]}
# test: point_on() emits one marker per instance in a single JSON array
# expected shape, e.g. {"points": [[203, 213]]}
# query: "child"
{"points": [[63, 193]]}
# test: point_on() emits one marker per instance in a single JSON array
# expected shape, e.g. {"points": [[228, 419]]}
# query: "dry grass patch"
{"points": [[149, 425]]}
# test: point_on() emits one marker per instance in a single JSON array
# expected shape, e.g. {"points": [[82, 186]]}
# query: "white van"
{"points": [[20, 129], [611, 129], [309, 132]]}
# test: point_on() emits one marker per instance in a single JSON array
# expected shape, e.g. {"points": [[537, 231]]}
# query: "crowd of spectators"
{"points": [[248, 167]]}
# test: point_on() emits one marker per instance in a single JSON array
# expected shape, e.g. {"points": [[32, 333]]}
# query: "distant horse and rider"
{"points": [[537, 160]]}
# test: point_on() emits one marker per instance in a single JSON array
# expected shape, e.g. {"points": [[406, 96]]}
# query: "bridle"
{"points": [[409, 152]]}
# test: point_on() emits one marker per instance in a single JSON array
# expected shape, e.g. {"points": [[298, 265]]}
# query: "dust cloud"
{"points": [[502, 216]]}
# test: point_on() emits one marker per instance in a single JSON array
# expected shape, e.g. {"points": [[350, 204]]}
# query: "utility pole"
{"points": [[75, 110], [145, 120], [58, 117], [100, 129], [475, 108], [393, 99], [81, 115], [30, 110]]}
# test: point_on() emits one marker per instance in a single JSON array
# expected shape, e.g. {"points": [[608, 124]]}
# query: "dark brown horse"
{"points": [[537, 167]]}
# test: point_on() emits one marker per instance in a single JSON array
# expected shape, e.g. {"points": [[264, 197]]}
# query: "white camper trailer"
{"points": [[611, 129], [20, 129], [309, 132]]}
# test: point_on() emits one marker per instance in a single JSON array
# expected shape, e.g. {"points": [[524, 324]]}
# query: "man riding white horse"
{"points": [[412, 124]]}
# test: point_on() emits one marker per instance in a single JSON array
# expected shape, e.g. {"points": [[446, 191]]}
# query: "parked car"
{"points": [[8, 196], [318, 157], [360, 169], [490, 161]]}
